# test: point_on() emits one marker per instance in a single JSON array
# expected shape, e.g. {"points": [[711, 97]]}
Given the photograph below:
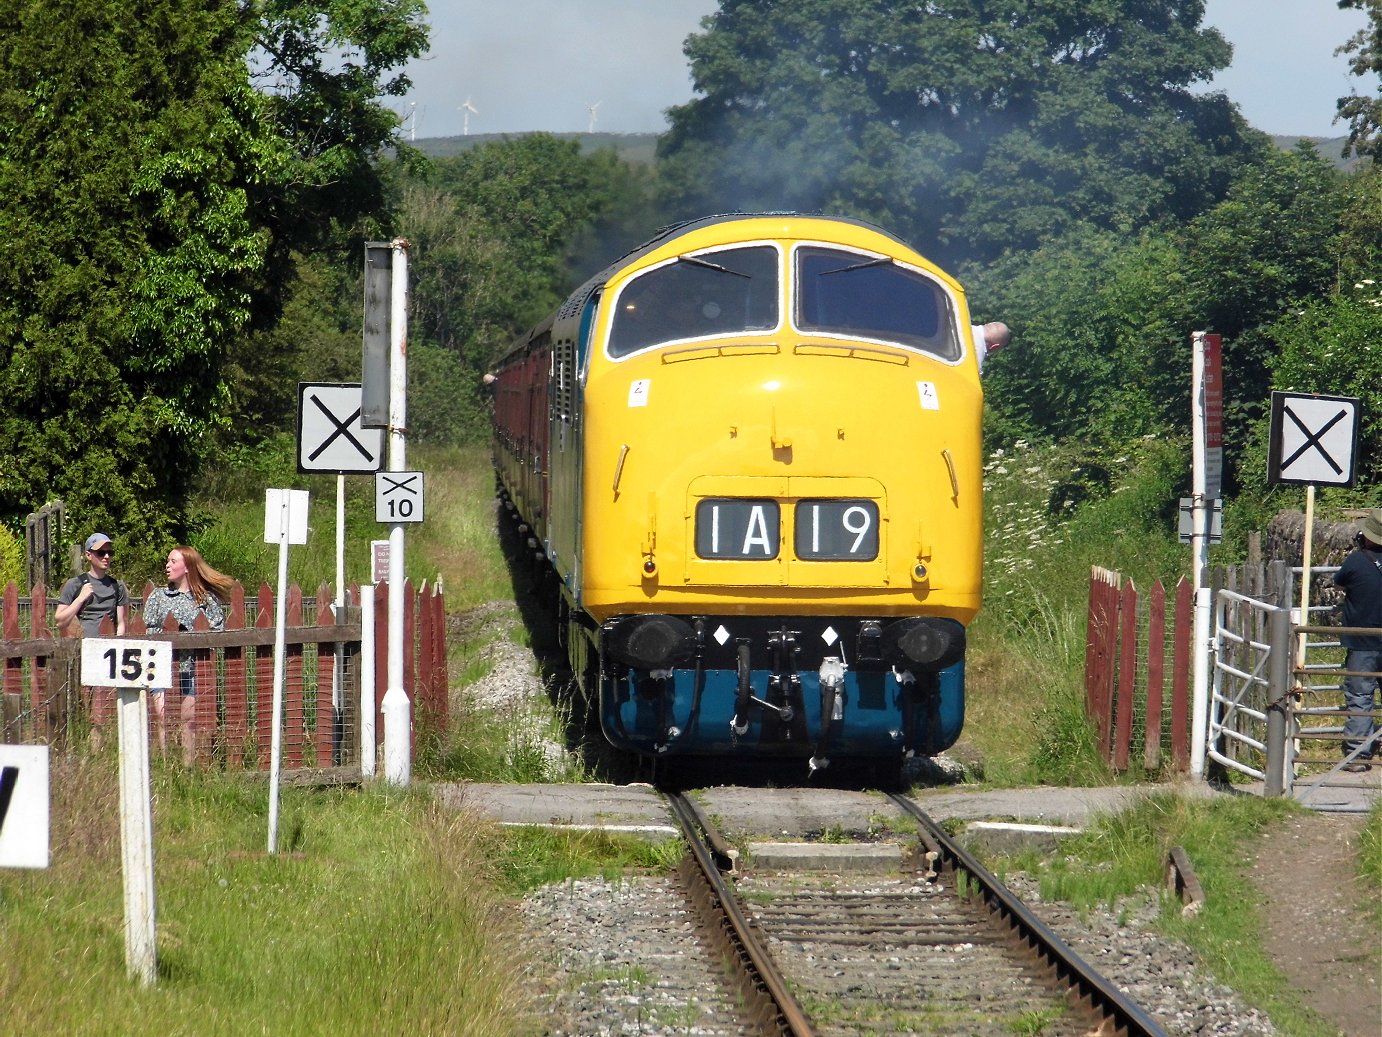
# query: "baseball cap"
{"points": [[95, 540]]}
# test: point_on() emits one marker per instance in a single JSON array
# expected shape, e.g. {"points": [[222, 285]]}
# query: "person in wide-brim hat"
{"points": [[1361, 579], [1371, 527]]}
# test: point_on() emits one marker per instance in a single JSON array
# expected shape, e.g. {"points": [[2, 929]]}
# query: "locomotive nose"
{"points": [[929, 643]]}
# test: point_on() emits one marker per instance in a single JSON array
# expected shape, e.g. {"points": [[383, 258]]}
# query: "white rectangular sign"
{"points": [[124, 662], [331, 437], [24, 834], [285, 509], [398, 497]]}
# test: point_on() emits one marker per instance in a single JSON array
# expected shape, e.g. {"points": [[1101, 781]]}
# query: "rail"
{"points": [[771, 1004], [1084, 986]]}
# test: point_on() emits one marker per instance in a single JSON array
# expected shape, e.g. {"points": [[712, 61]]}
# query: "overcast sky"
{"points": [[544, 64]]}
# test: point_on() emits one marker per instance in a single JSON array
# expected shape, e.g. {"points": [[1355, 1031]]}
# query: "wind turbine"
{"points": [[412, 120], [592, 109], [467, 110]]}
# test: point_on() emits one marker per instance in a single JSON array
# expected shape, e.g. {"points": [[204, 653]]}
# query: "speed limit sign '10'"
{"points": [[398, 497]]}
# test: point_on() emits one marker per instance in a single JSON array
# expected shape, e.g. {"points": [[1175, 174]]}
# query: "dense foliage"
{"points": [[967, 126], [153, 200], [187, 184], [1103, 320]]}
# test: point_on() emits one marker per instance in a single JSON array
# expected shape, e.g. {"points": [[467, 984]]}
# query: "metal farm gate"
{"points": [[1276, 710]]}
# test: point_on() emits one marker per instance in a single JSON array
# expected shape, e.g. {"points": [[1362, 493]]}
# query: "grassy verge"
{"points": [[1127, 852], [377, 907]]}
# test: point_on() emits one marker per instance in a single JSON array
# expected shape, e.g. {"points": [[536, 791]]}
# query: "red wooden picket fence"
{"points": [[42, 700], [1128, 647]]}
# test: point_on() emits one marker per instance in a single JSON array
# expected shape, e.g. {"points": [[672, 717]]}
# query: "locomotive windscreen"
{"points": [[845, 293], [693, 296]]}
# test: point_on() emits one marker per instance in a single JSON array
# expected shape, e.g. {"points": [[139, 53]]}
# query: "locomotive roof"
{"points": [[577, 298], [573, 302]]}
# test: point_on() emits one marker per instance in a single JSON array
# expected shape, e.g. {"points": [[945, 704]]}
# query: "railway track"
{"points": [[947, 951]]}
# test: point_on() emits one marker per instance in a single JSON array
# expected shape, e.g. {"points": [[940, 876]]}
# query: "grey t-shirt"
{"points": [[109, 595]]}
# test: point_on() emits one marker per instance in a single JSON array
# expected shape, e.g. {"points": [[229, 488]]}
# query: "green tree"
{"points": [[499, 237], [153, 200], [1102, 322], [1363, 112], [1330, 346], [970, 127]]}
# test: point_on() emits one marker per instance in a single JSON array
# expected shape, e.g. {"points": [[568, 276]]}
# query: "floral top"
{"points": [[185, 608]]}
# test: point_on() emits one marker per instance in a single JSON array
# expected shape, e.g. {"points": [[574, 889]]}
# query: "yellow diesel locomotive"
{"points": [[749, 452]]}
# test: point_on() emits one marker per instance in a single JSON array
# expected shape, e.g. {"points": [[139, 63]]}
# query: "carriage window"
{"points": [[696, 296], [845, 293]]}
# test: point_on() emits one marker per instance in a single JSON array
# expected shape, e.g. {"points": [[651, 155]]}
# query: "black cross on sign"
{"points": [[1314, 439], [342, 429]]}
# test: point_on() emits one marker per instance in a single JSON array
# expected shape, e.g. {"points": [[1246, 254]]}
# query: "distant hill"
{"points": [[1331, 148], [631, 147], [642, 147]]}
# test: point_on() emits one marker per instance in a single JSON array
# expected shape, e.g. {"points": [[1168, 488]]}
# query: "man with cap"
{"points": [[1361, 579], [95, 594]]}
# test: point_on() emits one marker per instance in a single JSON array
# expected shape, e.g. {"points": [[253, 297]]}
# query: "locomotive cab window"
{"points": [[861, 296], [697, 296]]}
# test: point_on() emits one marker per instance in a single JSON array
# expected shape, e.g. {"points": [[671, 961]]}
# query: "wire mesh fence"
{"points": [[221, 708]]}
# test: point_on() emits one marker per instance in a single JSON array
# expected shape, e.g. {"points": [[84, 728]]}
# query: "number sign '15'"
{"points": [[119, 662]]}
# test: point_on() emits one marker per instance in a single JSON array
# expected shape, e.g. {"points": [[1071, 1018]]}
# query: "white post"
{"points": [[285, 522], [397, 712], [1203, 643], [280, 638], [337, 694], [368, 745], [137, 834], [1206, 406], [1306, 551]]}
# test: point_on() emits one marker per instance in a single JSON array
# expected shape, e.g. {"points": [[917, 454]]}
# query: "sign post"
{"points": [[285, 522], [1207, 425], [332, 438], [1313, 440], [24, 835], [133, 668], [388, 265]]}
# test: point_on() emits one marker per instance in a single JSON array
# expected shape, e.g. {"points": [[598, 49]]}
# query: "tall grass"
{"points": [[376, 914], [1050, 513]]}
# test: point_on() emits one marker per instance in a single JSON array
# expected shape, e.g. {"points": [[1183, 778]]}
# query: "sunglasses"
{"points": [[104, 552]]}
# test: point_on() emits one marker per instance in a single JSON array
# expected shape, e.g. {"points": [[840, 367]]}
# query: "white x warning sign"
{"points": [[1314, 439], [330, 435]]}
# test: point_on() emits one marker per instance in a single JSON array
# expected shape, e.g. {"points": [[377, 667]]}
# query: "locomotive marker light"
{"points": [[133, 668]]}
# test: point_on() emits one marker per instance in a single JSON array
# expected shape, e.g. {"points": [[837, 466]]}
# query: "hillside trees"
{"points": [[1363, 112], [1102, 322], [968, 127], [153, 199], [500, 234]]}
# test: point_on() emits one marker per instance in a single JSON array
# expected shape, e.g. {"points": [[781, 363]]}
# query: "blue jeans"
{"points": [[1360, 694]]}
